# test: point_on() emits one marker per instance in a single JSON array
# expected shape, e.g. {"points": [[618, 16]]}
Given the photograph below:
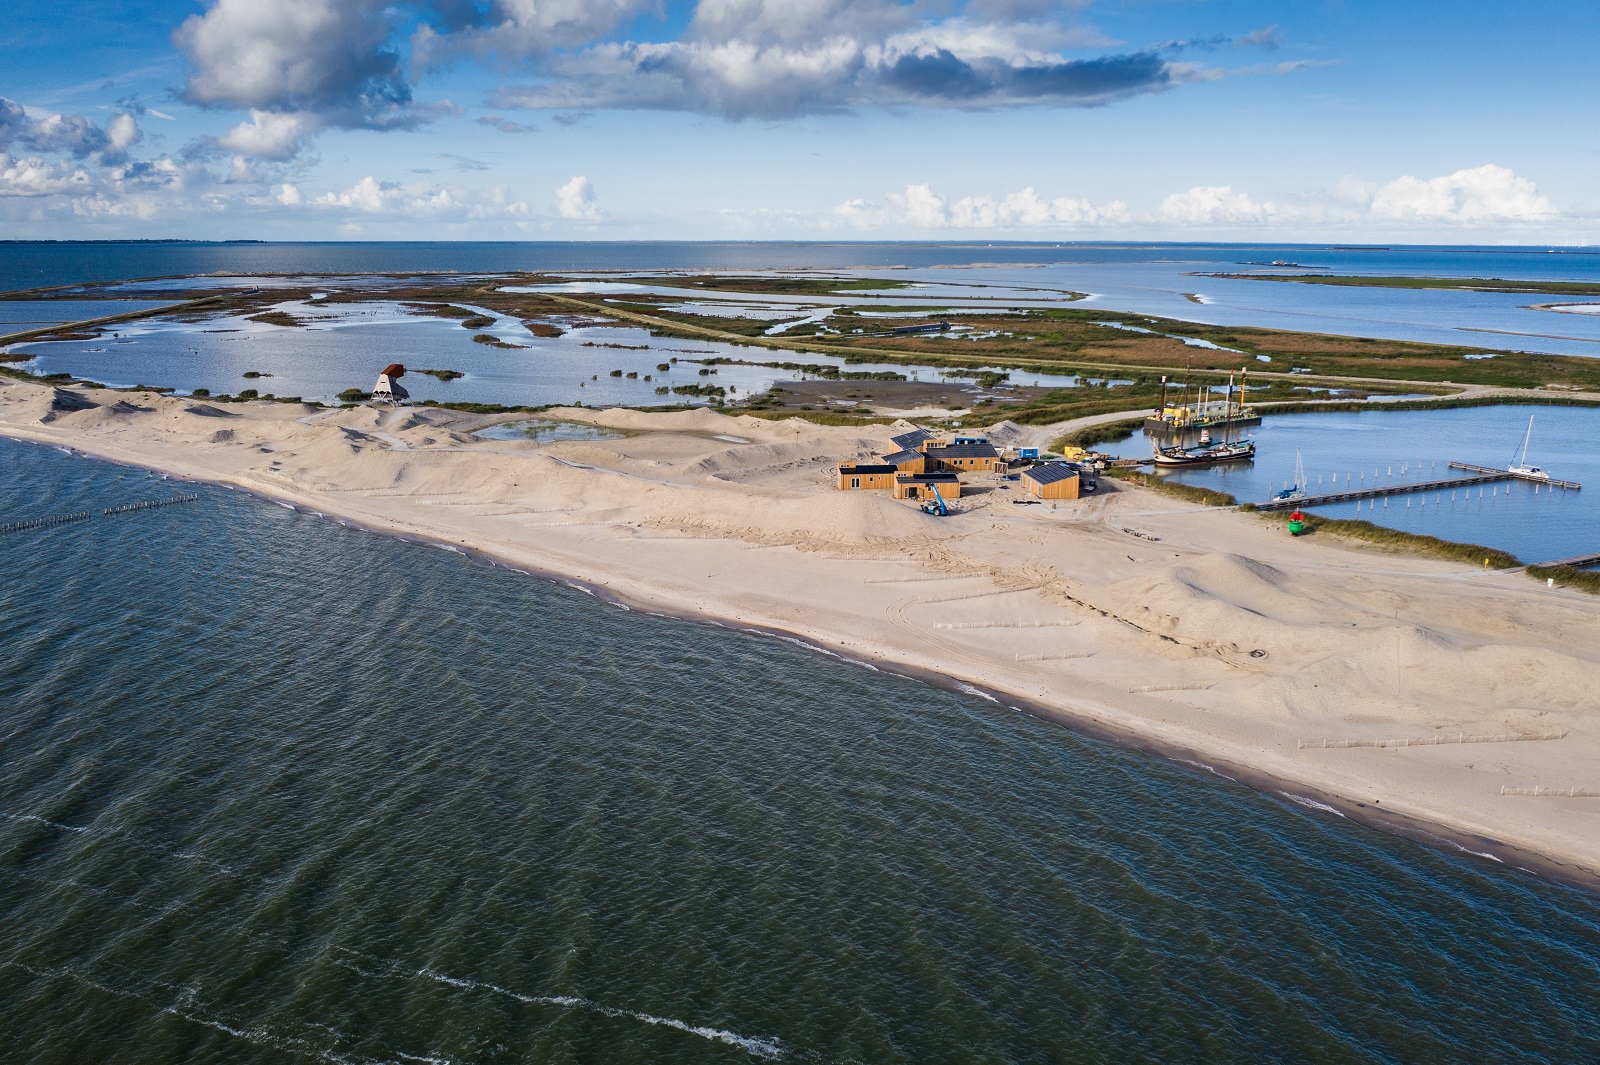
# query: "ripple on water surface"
{"points": [[276, 789]]}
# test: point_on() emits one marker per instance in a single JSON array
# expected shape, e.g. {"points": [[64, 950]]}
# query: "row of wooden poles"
{"points": [[85, 515]]}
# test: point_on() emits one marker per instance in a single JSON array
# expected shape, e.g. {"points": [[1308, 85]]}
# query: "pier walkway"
{"points": [[1552, 481], [1382, 490], [1576, 561]]}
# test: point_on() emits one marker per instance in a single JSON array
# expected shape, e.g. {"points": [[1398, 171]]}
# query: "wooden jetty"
{"points": [[1576, 561], [1475, 475], [1351, 494], [1552, 481]]}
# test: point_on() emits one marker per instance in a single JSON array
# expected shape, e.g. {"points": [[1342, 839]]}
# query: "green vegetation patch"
{"points": [[1583, 580], [783, 285], [490, 340], [1406, 542], [1191, 493], [278, 318], [443, 375]]}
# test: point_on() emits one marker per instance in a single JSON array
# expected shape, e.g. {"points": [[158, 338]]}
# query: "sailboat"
{"points": [[1298, 490], [1208, 454], [1521, 467]]}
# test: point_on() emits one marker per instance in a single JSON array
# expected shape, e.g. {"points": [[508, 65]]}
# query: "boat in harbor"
{"points": [[1187, 415], [1235, 451], [1521, 467], [1208, 452]]}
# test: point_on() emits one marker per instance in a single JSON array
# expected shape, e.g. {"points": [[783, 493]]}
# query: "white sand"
{"points": [[1127, 611]]}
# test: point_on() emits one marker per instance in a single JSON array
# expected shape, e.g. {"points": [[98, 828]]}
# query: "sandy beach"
{"points": [[1388, 687]]}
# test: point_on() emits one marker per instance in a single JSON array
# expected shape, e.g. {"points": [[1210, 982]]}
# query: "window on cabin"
{"points": [[855, 482]]}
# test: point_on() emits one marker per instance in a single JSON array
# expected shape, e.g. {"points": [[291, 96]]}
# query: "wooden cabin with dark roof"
{"points": [[866, 476], [1053, 480], [964, 458]]}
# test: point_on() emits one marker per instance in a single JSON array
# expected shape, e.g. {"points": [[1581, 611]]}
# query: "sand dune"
{"points": [[1211, 632]]}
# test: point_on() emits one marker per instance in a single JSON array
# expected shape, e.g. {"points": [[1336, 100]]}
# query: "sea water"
{"points": [[277, 789]]}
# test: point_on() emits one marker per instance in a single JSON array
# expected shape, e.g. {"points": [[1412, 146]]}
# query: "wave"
{"points": [[769, 1048], [1310, 803], [46, 821]]}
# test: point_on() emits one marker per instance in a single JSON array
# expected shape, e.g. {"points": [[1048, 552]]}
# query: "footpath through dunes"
{"points": [[1189, 630]]}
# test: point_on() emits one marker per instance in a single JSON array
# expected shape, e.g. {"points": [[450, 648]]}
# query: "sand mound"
{"points": [[205, 410], [222, 436]]}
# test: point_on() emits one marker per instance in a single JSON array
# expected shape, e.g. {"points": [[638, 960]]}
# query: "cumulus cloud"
{"points": [[1483, 194], [331, 58], [1216, 205], [575, 200], [519, 28], [447, 203], [920, 207], [778, 58], [269, 135], [39, 177]]}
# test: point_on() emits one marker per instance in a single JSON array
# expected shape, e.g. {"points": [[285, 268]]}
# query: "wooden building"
{"points": [[908, 461], [964, 458], [1053, 480], [912, 441], [921, 485], [872, 475]]}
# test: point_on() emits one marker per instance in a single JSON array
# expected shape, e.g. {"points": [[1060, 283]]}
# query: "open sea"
{"points": [[274, 789]]}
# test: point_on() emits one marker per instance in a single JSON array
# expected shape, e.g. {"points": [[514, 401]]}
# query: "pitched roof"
{"points": [[1051, 472], [912, 439], [963, 451], [907, 455]]}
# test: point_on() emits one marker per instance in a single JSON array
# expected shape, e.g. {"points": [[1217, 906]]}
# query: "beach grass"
{"points": [[1584, 580], [1177, 490], [1404, 542]]}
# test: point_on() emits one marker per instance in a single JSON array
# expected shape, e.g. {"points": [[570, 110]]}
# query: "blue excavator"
{"points": [[935, 506]]}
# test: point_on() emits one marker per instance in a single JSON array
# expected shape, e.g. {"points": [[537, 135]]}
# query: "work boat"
{"points": [[1238, 451], [1521, 467]]}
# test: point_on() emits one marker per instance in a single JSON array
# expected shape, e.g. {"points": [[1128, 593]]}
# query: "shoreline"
{"points": [[1078, 708], [1439, 837]]}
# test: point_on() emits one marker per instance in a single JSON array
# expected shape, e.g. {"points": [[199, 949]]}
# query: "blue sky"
{"points": [[1458, 122]]}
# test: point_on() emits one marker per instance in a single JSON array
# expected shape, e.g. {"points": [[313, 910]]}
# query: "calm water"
{"points": [[1143, 278], [275, 790], [1396, 447], [343, 346]]}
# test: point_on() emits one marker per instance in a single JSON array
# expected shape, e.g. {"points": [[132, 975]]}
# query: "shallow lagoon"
{"points": [[344, 345]]}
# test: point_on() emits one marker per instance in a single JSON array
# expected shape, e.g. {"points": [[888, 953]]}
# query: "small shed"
{"points": [[872, 475], [1053, 480], [921, 485]]}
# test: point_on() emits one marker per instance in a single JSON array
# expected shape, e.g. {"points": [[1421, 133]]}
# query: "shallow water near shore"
{"points": [[277, 789]]}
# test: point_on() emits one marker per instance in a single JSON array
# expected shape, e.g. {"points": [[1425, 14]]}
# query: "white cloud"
{"points": [[331, 58], [289, 195], [1210, 205], [446, 203], [269, 135], [920, 207], [368, 195], [575, 200], [1484, 194], [38, 177]]}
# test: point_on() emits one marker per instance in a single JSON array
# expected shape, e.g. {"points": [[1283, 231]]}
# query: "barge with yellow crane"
{"points": [[1200, 412]]}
